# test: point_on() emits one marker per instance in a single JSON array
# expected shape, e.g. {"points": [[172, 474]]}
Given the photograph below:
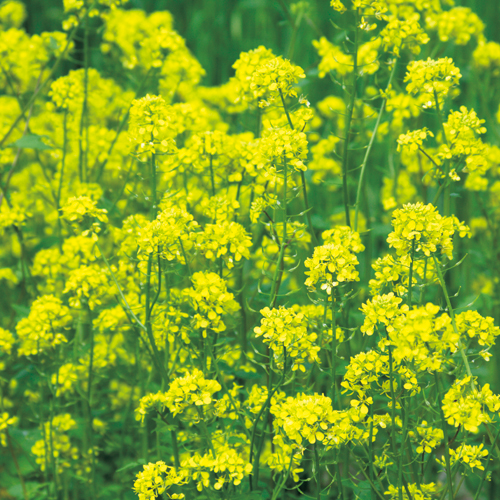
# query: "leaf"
{"points": [[131, 465], [30, 141], [235, 440]]}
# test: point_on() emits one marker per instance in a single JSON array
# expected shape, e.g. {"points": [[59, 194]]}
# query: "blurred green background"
{"points": [[217, 31]]}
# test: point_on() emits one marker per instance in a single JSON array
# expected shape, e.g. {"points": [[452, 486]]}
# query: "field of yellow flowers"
{"points": [[284, 286]]}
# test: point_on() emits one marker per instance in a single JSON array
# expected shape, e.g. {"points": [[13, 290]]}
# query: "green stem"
{"points": [[486, 469], [350, 110], [401, 455], [410, 277], [334, 350], [212, 177], [82, 156], [284, 480], [61, 175], [370, 145], [276, 282], [153, 185], [318, 478], [393, 402], [302, 178], [447, 185], [446, 447]]}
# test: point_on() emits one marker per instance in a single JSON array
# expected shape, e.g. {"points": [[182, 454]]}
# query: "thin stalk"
{"points": [[40, 87], [318, 478], [370, 453], [486, 469], [16, 463], [446, 446], [447, 185], [334, 350], [350, 110], [410, 277], [393, 402], [401, 456], [302, 178], [212, 177], [61, 176], [284, 480], [82, 157], [369, 148], [153, 185], [257, 419], [276, 282]]}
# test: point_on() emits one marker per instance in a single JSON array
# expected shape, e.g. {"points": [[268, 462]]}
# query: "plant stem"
{"points": [[350, 110], [318, 478], [82, 156], [410, 276], [369, 148], [334, 350], [303, 179], [447, 185]]}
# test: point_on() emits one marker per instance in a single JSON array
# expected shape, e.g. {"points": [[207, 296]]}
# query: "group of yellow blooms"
{"points": [[158, 260]]}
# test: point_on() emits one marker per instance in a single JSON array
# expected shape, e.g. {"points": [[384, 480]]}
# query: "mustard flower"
{"points": [[43, 329], [323, 165], [83, 210], [459, 24], [156, 478], [219, 208], [427, 438], [286, 457], [87, 284], [211, 300], [304, 417], [382, 309], [486, 57], [165, 234], [226, 240], [283, 144], [473, 325], [333, 58], [59, 446], [12, 14], [343, 236], [468, 455], [432, 76], [245, 67], [429, 230], [364, 369], [462, 407], [273, 78], [330, 265], [423, 337], [229, 466], [6, 421], [66, 378], [417, 492], [406, 33], [285, 329], [148, 125], [414, 139], [7, 341], [461, 129], [12, 216]]}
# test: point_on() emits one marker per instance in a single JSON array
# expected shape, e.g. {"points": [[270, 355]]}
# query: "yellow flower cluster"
{"points": [[211, 300], [42, 329], [345, 237], [461, 128], [414, 139], [432, 77], [12, 216], [487, 57], [472, 325], [284, 329], [422, 338], [273, 78], [417, 492], [462, 407], [330, 265], [382, 309], [56, 443], [459, 24], [404, 33], [424, 227], [184, 392], [426, 438], [156, 478], [304, 417], [468, 455], [165, 234], [226, 240], [12, 14], [280, 145], [82, 210], [87, 285], [364, 369], [149, 125], [333, 59], [6, 421]]}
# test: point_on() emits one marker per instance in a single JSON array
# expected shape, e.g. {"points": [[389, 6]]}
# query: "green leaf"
{"points": [[131, 465], [30, 141]]}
